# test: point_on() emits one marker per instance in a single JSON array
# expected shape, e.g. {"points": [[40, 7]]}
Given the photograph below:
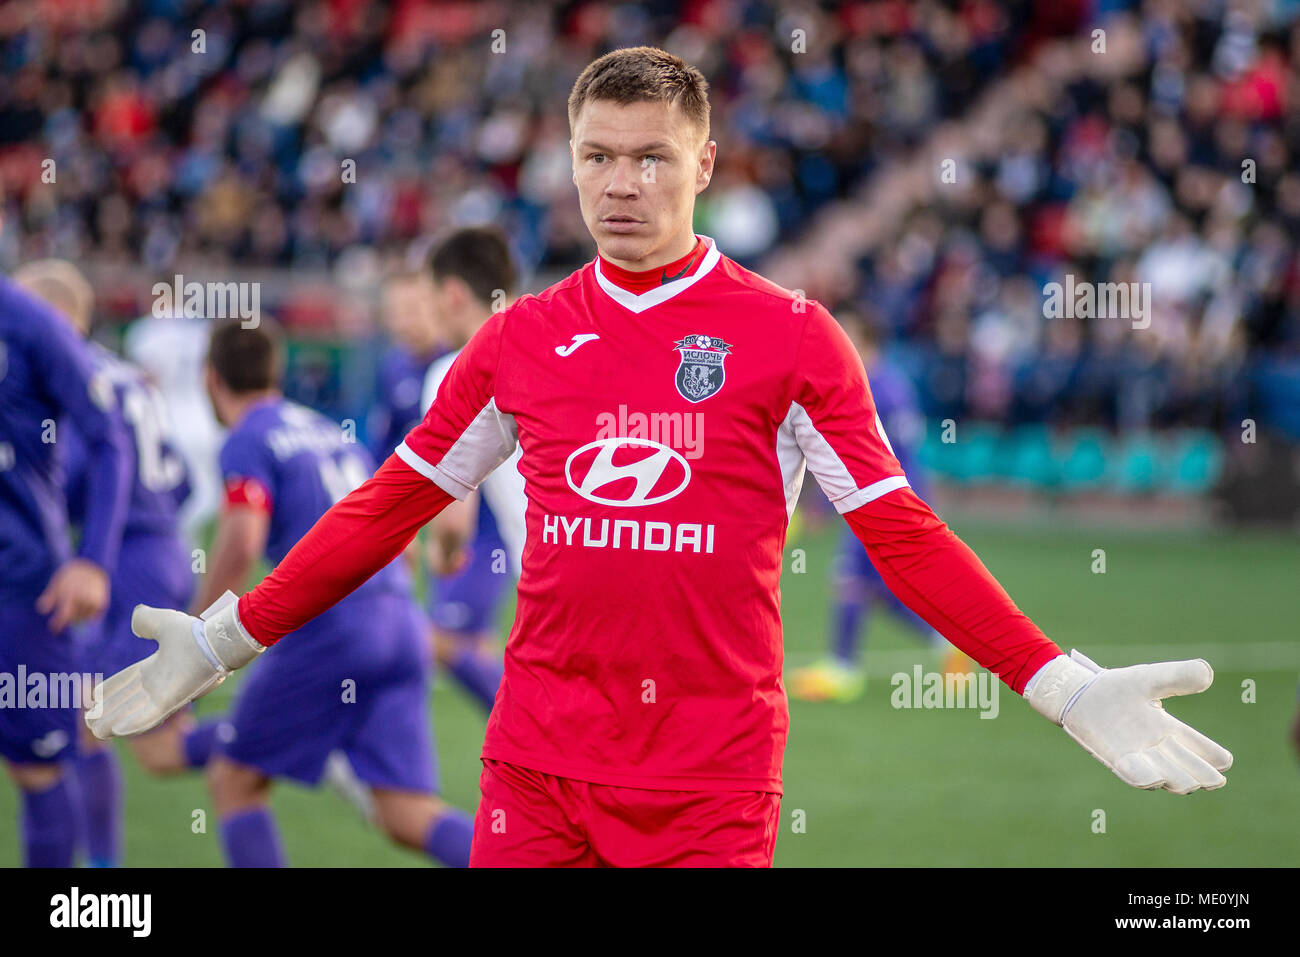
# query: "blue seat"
{"points": [[1085, 459], [1195, 462], [1139, 466], [1027, 458]]}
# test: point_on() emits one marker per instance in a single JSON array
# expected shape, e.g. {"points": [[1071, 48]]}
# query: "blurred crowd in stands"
{"points": [[1181, 172], [337, 136]]}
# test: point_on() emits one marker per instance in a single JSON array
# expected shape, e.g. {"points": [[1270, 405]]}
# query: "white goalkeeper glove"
{"points": [[1116, 715], [193, 657]]}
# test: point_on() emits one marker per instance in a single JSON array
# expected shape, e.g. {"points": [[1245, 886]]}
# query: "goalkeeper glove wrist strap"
{"points": [[1059, 683], [222, 639]]}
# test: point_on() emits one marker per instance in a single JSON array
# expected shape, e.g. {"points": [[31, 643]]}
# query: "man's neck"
{"points": [[241, 405], [472, 323], [675, 250], [643, 280]]}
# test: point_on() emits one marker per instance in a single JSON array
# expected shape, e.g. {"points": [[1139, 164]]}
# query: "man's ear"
{"points": [[708, 155]]}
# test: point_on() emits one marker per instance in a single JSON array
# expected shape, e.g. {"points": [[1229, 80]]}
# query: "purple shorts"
{"points": [[355, 679], [39, 709], [466, 603]]}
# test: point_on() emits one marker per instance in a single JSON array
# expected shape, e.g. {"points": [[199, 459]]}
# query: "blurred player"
{"points": [[477, 544], [48, 381], [858, 586], [642, 719], [357, 678], [170, 349], [153, 567], [411, 320]]}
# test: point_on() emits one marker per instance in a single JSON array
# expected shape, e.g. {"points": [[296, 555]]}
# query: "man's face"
{"points": [[638, 168], [455, 306], [409, 313]]}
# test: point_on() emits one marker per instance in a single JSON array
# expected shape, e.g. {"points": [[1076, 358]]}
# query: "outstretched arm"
{"points": [[461, 440], [1115, 715], [362, 533], [935, 574]]}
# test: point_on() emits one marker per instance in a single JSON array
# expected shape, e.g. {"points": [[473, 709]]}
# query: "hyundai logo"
{"points": [[647, 481]]}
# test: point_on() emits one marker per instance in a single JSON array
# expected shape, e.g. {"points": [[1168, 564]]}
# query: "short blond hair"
{"points": [[62, 285]]}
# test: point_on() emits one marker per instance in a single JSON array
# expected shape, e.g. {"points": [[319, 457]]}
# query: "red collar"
{"points": [[645, 280]]}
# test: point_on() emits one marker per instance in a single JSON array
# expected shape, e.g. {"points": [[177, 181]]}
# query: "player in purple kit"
{"points": [[858, 586], [153, 566], [411, 321], [357, 680], [47, 381]]}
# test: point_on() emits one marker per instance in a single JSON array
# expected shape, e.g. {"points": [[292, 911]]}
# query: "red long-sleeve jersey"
{"points": [[665, 436]]}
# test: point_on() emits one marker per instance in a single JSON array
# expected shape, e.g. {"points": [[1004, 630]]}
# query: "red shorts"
{"points": [[530, 819]]}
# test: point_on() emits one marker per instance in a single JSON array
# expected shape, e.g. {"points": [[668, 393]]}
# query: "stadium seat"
{"points": [[1140, 464], [1084, 458], [1195, 462], [975, 453], [1027, 459]]}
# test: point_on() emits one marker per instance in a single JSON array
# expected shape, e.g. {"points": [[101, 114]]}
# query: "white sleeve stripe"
{"points": [[829, 469], [452, 486], [869, 494], [790, 459], [403, 452], [485, 443]]}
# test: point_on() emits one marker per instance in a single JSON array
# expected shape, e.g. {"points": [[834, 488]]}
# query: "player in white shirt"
{"points": [[476, 546], [171, 350]]}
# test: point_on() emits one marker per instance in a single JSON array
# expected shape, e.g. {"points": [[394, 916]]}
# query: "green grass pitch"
{"points": [[867, 784]]}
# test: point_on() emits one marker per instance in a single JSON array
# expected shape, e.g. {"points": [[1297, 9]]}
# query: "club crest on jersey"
{"points": [[700, 373]]}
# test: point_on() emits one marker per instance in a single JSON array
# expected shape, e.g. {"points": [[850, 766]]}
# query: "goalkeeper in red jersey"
{"points": [[666, 402]]}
